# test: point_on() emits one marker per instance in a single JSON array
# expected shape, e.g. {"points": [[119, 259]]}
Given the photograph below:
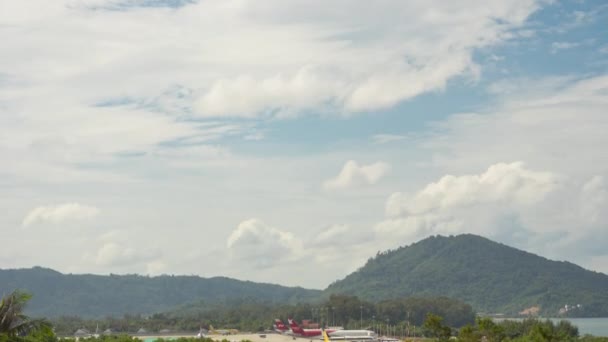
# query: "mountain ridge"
{"points": [[91, 295], [491, 276]]}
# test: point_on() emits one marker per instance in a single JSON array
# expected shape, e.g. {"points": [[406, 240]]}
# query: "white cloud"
{"points": [[114, 254], [511, 184], [243, 58], [556, 46], [555, 124], [594, 200], [70, 117], [353, 175], [247, 96], [117, 255], [261, 246], [60, 213], [156, 267], [387, 138], [134, 107], [331, 235], [468, 203], [255, 136]]}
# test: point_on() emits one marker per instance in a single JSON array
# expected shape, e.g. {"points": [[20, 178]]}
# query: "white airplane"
{"points": [[222, 331], [201, 333], [352, 335]]}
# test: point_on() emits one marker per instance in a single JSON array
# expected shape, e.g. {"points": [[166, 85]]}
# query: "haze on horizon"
{"points": [[288, 142]]}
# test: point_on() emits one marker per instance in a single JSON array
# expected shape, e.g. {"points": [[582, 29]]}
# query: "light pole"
{"points": [[387, 332], [361, 317], [333, 313], [408, 324]]}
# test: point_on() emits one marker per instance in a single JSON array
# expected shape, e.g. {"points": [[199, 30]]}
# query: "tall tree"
{"points": [[13, 322]]}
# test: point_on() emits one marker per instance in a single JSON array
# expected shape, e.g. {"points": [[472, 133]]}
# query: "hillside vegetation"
{"points": [[490, 276], [57, 294]]}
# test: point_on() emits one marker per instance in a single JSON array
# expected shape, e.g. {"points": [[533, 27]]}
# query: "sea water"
{"points": [[591, 326]]}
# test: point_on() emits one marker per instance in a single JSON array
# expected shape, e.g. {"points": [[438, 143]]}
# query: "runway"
{"points": [[256, 338], [270, 337]]}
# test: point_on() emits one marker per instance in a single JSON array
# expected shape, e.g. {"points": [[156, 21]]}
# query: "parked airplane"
{"points": [[202, 333], [352, 335], [280, 327], [297, 330], [222, 331]]}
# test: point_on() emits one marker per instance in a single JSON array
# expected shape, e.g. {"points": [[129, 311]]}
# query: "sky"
{"points": [[290, 141]]}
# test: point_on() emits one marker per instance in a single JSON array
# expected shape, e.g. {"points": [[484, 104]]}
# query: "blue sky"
{"points": [[248, 139]]}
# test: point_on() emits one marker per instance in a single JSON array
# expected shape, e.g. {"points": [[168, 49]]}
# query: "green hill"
{"points": [[89, 295], [492, 277]]}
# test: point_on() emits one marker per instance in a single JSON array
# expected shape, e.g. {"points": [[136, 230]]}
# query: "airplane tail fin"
{"points": [[279, 324], [294, 326]]}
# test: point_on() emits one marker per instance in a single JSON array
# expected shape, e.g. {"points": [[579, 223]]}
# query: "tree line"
{"points": [[15, 326], [485, 329], [254, 315]]}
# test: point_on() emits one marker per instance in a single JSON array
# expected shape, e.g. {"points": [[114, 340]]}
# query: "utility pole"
{"points": [[361, 318], [333, 313], [387, 332]]}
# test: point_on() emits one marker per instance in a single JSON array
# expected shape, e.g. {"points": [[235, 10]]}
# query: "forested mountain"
{"points": [[88, 295], [490, 276]]}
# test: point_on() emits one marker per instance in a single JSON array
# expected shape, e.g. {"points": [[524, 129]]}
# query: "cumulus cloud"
{"points": [[353, 175], [256, 59], [179, 66], [247, 96], [60, 213], [552, 208], [509, 183], [479, 203], [115, 254], [262, 246]]}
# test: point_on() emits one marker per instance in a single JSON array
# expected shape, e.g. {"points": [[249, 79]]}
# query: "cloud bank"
{"points": [[60, 213]]}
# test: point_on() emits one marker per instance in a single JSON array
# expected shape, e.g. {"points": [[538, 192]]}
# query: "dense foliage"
{"points": [[15, 326], [529, 330], [490, 276], [251, 315], [98, 296], [485, 329]]}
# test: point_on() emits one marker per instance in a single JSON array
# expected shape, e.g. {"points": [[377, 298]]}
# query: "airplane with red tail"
{"points": [[280, 327], [297, 330]]}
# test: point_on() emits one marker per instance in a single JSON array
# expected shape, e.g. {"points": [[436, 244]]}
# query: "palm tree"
{"points": [[12, 320]]}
